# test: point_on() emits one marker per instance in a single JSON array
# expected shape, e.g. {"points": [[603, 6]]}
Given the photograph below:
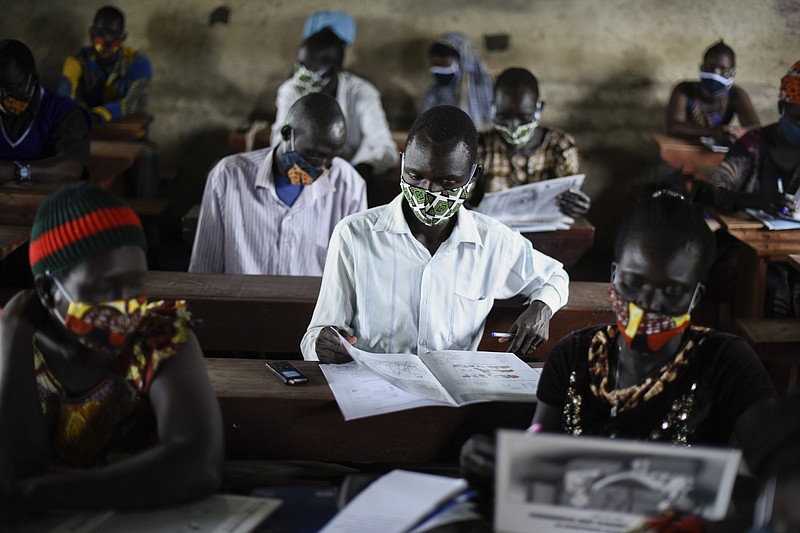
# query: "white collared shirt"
{"points": [[382, 285], [369, 139], [244, 228]]}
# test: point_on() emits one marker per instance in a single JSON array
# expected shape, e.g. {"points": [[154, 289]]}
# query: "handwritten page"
{"points": [[531, 205], [395, 503], [360, 392], [484, 376]]}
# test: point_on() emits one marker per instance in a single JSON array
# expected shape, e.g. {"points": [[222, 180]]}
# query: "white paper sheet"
{"points": [[532, 204], [395, 503], [360, 392]]}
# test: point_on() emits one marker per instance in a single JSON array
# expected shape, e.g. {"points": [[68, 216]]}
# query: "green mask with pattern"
{"points": [[307, 81], [519, 136], [435, 207]]}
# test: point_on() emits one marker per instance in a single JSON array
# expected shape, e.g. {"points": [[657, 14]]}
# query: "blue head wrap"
{"points": [[342, 24]]}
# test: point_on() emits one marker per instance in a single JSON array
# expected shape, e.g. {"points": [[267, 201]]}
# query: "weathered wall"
{"points": [[605, 67]]}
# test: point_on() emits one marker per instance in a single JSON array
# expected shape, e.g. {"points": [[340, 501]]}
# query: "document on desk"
{"points": [[221, 513], [773, 222], [395, 503], [531, 207], [384, 383]]}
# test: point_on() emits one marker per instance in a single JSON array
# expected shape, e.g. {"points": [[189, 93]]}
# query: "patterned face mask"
{"points": [[520, 136], [434, 208], [103, 326], [307, 81], [298, 170], [645, 331], [14, 106], [105, 48], [14, 102]]}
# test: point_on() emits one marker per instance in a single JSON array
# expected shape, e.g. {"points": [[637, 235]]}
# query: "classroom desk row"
{"points": [[270, 314]]}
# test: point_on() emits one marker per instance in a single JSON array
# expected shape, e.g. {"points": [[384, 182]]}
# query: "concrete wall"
{"points": [[605, 66]]}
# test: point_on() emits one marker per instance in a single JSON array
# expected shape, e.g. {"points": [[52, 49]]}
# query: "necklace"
{"points": [[616, 389]]}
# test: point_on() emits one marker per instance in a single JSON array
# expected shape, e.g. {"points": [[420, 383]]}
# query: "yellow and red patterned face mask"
{"points": [[645, 331], [105, 48], [105, 327], [14, 106]]}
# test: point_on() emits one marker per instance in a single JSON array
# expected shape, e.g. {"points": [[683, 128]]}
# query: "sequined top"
{"points": [[83, 429], [719, 379], [556, 157]]}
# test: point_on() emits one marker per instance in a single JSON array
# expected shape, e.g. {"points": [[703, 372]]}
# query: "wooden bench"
{"points": [[265, 419], [271, 313], [123, 129], [777, 343]]}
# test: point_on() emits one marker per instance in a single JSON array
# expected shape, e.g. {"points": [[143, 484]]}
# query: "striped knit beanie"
{"points": [[77, 222]]}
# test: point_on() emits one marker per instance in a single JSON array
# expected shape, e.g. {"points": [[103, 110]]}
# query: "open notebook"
{"points": [[531, 207]]}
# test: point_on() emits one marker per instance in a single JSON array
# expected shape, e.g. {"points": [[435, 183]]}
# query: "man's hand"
{"points": [[329, 346], [478, 457], [574, 203], [531, 330], [774, 203]]}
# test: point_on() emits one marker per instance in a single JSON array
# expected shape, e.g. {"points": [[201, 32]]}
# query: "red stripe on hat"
{"points": [[71, 232]]}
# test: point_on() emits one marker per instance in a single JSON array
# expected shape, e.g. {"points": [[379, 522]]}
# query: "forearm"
{"points": [[49, 169], [167, 474]]}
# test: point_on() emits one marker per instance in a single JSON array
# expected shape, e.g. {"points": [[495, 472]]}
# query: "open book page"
{"points": [[532, 204], [360, 392], [773, 222], [404, 370], [395, 503], [484, 376], [221, 513]]}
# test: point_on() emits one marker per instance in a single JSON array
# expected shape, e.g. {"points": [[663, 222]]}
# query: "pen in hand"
{"points": [[501, 335], [784, 211]]}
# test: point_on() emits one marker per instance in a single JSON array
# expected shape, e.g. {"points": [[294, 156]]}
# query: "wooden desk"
{"points": [[110, 159], [11, 238], [265, 419], [271, 313], [124, 129], [794, 260], [760, 246], [568, 245], [690, 158]]}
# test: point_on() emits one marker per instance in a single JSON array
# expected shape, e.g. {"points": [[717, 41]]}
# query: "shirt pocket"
{"points": [[470, 307]]}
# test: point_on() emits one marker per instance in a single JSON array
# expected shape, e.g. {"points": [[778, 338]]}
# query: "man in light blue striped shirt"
{"points": [[272, 211], [420, 274]]}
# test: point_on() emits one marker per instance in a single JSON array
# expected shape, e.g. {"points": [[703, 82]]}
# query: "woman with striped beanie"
{"points": [[89, 368]]}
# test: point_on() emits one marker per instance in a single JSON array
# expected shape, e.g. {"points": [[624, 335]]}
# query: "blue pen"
{"points": [[784, 211], [465, 496]]}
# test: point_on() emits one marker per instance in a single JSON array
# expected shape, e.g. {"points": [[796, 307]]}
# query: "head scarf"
{"points": [[474, 81], [342, 24], [790, 85]]}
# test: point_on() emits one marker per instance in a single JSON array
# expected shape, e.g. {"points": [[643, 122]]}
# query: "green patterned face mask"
{"points": [[435, 207], [307, 81], [519, 136]]}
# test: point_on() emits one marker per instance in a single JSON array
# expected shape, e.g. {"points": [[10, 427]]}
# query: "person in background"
{"points": [[105, 402], [272, 211], [518, 150], [45, 136], [420, 274], [109, 79], [460, 79], [706, 108], [339, 23], [652, 375], [760, 172], [369, 146]]}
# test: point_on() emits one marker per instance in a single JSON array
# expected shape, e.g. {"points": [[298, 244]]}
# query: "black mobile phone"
{"points": [[286, 372]]}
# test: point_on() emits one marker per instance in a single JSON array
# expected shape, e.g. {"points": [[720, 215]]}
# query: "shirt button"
{"points": [[286, 242], [288, 217], [422, 343]]}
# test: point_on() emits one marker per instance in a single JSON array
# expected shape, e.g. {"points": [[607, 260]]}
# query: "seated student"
{"points": [[369, 145], [89, 370], [420, 274], [272, 211], [518, 150], [652, 375], [45, 136], [758, 172], [108, 78], [706, 108], [460, 79]]}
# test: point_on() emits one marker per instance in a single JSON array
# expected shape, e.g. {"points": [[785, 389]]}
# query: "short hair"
{"points": [[675, 224], [15, 54], [512, 78], [110, 13], [443, 123], [316, 108], [439, 49], [326, 38], [720, 47]]}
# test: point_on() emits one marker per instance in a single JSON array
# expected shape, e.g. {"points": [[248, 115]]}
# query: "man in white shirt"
{"points": [[272, 211], [419, 274], [369, 145]]}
